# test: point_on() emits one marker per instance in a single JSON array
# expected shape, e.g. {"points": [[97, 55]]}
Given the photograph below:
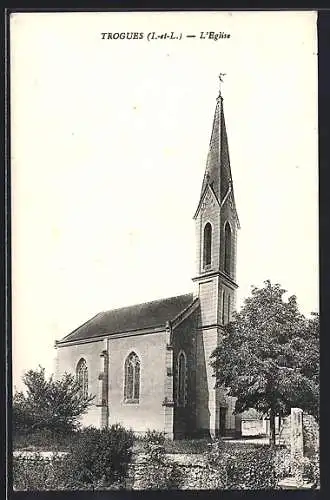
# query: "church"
{"points": [[148, 365]]}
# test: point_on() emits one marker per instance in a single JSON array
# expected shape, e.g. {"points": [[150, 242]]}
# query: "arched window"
{"points": [[82, 376], [228, 244], [181, 379], [207, 244], [132, 379]]}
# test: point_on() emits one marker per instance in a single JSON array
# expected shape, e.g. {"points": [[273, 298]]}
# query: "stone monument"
{"points": [[297, 445]]}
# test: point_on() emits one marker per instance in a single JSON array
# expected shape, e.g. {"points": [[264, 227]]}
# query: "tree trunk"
{"points": [[272, 428]]}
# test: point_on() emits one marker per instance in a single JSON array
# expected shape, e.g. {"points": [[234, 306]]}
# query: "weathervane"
{"points": [[221, 81]]}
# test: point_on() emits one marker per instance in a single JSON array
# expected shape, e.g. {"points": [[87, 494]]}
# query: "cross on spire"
{"points": [[221, 75]]}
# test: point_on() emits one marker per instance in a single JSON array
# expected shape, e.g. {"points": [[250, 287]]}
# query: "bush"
{"points": [[310, 435], [312, 470], [97, 459], [282, 463], [187, 446], [100, 457], [55, 405], [161, 472], [44, 440], [245, 468]]}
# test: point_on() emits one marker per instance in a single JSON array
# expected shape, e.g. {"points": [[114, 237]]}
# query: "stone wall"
{"points": [[195, 473]]}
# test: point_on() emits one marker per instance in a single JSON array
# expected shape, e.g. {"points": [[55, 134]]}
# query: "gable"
{"points": [[208, 200], [229, 201]]}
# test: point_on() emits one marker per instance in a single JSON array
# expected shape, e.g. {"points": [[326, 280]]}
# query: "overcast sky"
{"points": [[109, 145]]}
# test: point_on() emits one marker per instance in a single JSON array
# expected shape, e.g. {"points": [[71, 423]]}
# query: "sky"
{"points": [[109, 143]]}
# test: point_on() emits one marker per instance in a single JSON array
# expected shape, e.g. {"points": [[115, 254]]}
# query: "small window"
{"points": [[207, 249], [132, 379], [182, 380], [228, 249], [82, 377]]}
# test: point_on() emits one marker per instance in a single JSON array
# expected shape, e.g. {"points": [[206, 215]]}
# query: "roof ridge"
{"points": [[148, 302]]}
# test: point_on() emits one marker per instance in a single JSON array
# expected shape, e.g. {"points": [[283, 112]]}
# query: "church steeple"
{"points": [[216, 215], [216, 223]]}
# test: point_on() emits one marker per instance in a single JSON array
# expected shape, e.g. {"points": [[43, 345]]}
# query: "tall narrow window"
{"points": [[228, 306], [82, 376], [223, 307], [132, 379], [228, 244], [207, 244], [181, 381]]}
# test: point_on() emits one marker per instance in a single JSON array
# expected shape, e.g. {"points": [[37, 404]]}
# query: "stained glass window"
{"points": [[82, 376], [132, 379], [181, 383]]}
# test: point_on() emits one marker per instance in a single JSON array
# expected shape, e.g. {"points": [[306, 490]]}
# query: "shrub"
{"points": [[187, 446], [43, 440], [312, 470], [282, 463], [48, 403], [245, 468], [310, 435], [161, 472], [100, 457]]}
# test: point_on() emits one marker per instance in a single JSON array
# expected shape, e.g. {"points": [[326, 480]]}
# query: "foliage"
{"points": [[50, 404], [282, 462], [161, 473], [310, 435], [176, 446], [153, 438], [312, 469], [268, 358], [97, 459], [186, 446], [100, 457], [44, 440], [243, 468]]}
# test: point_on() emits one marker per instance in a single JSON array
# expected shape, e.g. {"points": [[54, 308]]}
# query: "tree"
{"points": [[268, 357], [49, 404]]}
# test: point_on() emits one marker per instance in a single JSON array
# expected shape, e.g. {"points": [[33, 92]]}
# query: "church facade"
{"points": [[148, 365]]}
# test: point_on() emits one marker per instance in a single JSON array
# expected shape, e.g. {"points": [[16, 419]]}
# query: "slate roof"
{"points": [[136, 317]]}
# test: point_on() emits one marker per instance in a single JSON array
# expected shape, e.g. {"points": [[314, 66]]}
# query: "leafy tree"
{"points": [[54, 405], [269, 356]]}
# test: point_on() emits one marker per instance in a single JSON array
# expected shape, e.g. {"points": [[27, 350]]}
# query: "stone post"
{"points": [[297, 445]]}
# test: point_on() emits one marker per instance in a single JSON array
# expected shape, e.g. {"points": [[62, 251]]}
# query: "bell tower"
{"points": [[216, 223]]}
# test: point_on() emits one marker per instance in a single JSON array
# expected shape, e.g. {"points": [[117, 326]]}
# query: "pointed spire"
{"points": [[218, 172]]}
